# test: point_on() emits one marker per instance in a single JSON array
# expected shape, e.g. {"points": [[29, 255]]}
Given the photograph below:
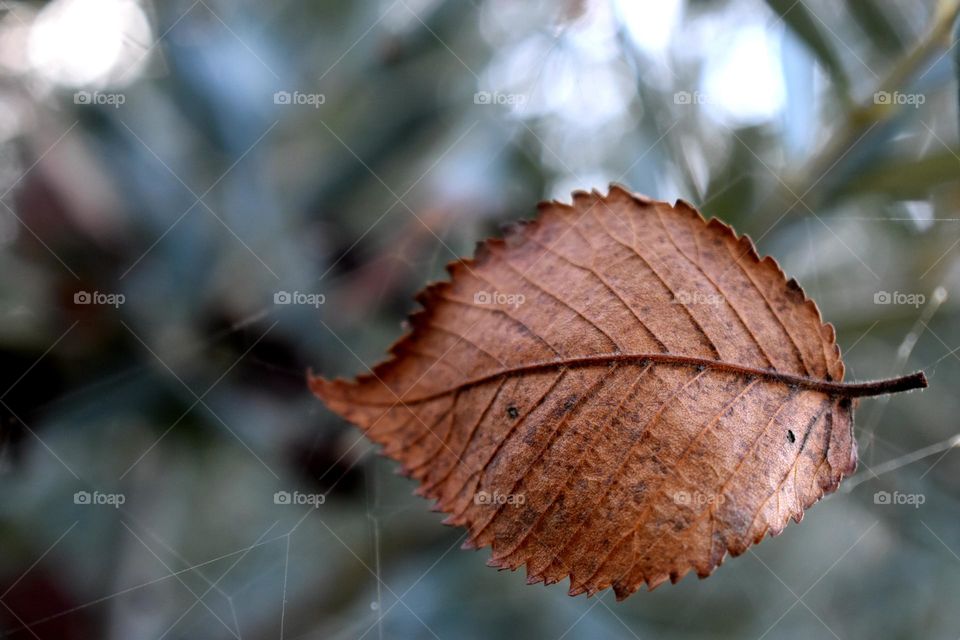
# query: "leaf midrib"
{"points": [[838, 389]]}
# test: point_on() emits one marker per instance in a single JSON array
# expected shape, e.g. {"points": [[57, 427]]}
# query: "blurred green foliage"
{"points": [[202, 196]]}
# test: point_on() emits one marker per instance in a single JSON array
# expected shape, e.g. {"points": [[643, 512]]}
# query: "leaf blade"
{"points": [[602, 362]]}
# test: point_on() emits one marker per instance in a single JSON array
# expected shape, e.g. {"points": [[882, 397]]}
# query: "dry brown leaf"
{"points": [[618, 392]]}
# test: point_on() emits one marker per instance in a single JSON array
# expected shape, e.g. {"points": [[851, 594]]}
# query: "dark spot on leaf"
{"points": [[563, 408], [512, 412], [792, 438]]}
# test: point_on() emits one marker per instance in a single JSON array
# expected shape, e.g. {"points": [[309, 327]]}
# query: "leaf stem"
{"points": [[916, 380]]}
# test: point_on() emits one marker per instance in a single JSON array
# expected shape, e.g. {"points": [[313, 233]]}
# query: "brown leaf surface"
{"points": [[618, 392]]}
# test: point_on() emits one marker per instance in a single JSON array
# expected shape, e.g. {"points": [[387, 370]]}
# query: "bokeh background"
{"points": [[203, 199]]}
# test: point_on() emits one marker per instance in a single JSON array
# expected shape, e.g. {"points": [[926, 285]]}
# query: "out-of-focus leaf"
{"points": [[810, 30], [872, 18], [902, 178], [956, 58]]}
